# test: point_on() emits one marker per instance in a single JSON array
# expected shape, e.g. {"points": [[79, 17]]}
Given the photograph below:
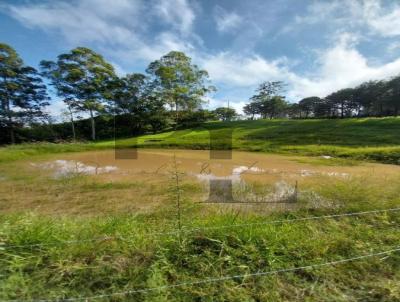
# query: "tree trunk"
{"points": [[72, 124], [93, 125], [176, 114], [73, 130], [341, 110], [12, 135], [10, 123]]}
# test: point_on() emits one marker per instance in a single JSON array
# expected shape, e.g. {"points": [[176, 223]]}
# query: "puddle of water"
{"points": [[255, 177], [244, 166], [242, 169], [235, 175], [64, 168], [306, 173]]}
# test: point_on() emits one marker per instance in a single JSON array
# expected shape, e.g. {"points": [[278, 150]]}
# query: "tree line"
{"points": [[169, 95], [370, 99]]}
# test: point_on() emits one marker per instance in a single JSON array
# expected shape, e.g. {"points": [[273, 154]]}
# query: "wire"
{"points": [[207, 228], [298, 219], [212, 280]]}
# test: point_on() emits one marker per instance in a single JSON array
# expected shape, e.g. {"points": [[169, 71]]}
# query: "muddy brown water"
{"points": [[143, 185], [196, 164]]}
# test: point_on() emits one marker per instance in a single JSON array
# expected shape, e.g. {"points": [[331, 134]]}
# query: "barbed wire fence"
{"points": [[206, 228], [220, 279], [181, 229]]}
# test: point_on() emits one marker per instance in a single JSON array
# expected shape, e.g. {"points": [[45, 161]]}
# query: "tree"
{"points": [[22, 92], [307, 105], [293, 110], [63, 89], [269, 89], [323, 108], [251, 109], [180, 83], [126, 96], [127, 93], [267, 101], [393, 95], [225, 113], [276, 106], [342, 100], [82, 77], [155, 114]]}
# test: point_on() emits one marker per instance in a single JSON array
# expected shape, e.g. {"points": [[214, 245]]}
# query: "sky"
{"points": [[315, 47]]}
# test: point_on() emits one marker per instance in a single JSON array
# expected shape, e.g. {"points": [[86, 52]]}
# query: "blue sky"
{"points": [[316, 47]]}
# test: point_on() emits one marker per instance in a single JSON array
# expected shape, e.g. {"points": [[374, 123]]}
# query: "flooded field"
{"points": [[248, 166], [97, 182]]}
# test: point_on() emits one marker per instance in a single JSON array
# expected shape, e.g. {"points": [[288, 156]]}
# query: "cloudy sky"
{"points": [[316, 47]]}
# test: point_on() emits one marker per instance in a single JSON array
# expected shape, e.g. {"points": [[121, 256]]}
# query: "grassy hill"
{"points": [[372, 139]]}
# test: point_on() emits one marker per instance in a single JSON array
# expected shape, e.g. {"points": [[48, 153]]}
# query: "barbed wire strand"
{"points": [[300, 219], [212, 280], [110, 238]]}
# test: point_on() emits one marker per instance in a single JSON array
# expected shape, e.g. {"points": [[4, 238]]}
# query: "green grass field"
{"points": [[90, 253], [372, 139]]}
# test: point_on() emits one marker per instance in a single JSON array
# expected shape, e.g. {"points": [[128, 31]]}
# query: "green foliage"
{"points": [[373, 139], [82, 78], [132, 256], [251, 109], [308, 106], [225, 113], [178, 82], [22, 92], [372, 98], [363, 139], [127, 94], [267, 102]]}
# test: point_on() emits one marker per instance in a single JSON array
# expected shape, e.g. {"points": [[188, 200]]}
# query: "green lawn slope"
{"points": [[372, 139]]}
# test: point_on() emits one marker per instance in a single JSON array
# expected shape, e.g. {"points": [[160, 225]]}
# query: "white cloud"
{"points": [[385, 22], [233, 102], [56, 110], [242, 71], [393, 47], [352, 14], [177, 13], [119, 70], [339, 66], [319, 11], [85, 21], [226, 21], [118, 30]]}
